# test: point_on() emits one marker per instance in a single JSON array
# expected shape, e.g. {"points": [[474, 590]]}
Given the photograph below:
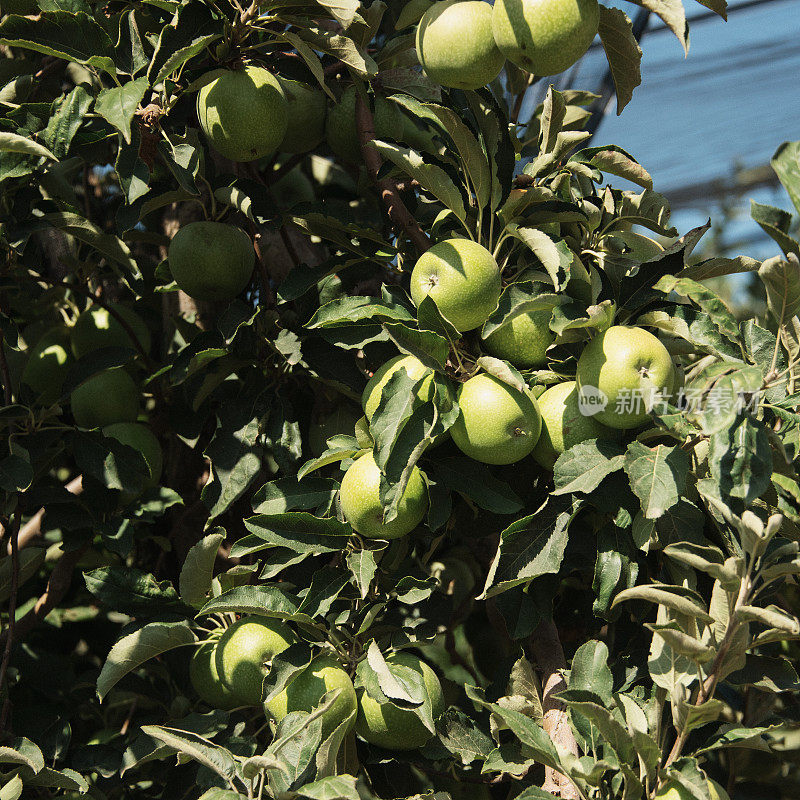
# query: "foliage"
{"points": [[651, 578]]}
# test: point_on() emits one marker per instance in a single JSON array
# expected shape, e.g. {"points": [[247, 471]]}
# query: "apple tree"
{"points": [[369, 431]]}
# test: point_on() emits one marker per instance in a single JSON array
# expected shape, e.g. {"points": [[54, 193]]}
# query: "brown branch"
{"points": [[32, 529], [57, 587], [545, 646], [7, 394], [396, 209], [12, 611]]}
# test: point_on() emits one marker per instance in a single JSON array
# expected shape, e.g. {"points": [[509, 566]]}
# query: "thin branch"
{"points": [[57, 587], [396, 209], [545, 646], [12, 611], [7, 393], [32, 529]]}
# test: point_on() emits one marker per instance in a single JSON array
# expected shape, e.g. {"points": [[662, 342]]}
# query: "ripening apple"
{"points": [[455, 44], [545, 37], [462, 278], [386, 725], [96, 328], [373, 391], [48, 362], [497, 423], [563, 424], [630, 367], [306, 117], [205, 678], [523, 340], [211, 260], [672, 790], [243, 113], [361, 503], [341, 131], [106, 398], [306, 689], [244, 653]]}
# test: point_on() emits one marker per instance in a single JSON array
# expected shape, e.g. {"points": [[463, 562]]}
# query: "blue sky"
{"points": [[733, 100]]}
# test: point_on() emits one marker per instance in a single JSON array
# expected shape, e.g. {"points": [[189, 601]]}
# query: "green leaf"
{"points": [[354, 310], [326, 585], [740, 459], [190, 32], [289, 494], [334, 787], [217, 759], [462, 737], [516, 299], [63, 34], [658, 475], [786, 163], [673, 15], [431, 177], [590, 671], [781, 279], [583, 467], [614, 734], [118, 105], [12, 143], [555, 257], [131, 591], [235, 453], [340, 47], [429, 347], [667, 596], [114, 464], [30, 559], [22, 751], [131, 651], [299, 531], [622, 51], [531, 547], [476, 482], [776, 223], [198, 569], [616, 161], [363, 567], [266, 600]]}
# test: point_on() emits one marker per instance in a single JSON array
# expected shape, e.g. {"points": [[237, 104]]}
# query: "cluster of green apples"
{"points": [[228, 671], [109, 399], [499, 423], [463, 44]]}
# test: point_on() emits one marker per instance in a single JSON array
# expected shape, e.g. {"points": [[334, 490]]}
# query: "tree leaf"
{"points": [[583, 467], [217, 759], [622, 51], [666, 596], [131, 591], [198, 569], [786, 163], [265, 600], [118, 105], [362, 565], [73, 36], [131, 651], [673, 15], [658, 475]]}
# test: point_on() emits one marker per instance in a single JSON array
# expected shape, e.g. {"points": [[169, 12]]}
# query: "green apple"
{"points": [[47, 365], [340, 420], [244, 653], [462, 278], [563, 425], [141, 439], [523, 340], [307, 688], [96, 328], [211, 260], [672, 790], [243, 113], [628, 367], [497, 424], [373, 391], [306, 117], [105, 398], [388, 726], [545, 37], [455, 44], [205, 678], [361, 503], [341, 131]]}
